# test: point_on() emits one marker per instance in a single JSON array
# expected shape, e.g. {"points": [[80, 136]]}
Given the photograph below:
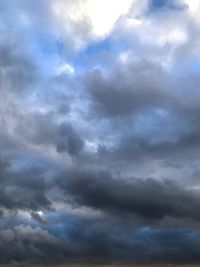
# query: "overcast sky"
{"points": [[99, 131]]}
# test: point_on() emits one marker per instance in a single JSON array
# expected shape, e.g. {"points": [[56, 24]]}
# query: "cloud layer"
{"points": [[100, 135]]}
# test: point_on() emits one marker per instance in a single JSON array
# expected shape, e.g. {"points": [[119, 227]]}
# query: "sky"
{"points": [[99, 132]]}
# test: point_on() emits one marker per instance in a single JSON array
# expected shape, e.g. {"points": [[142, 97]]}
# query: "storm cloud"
{"points": [[148, 198]]}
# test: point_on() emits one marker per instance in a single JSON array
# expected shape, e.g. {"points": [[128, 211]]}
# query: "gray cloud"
{"points": [[25, 242], [44, 130], [18, 72], [69, 140], [147, 198], [81, 117], [128, 89], [24, 189]]}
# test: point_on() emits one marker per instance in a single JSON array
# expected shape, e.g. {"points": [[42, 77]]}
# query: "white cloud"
{"points": [[104, 14], [64, 68], [90, 19], [193, 5]]}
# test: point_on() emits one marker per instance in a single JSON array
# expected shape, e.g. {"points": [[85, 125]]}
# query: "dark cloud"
{"points": [[137, 96], [148, 198], [99, 240], [25, 242], [36, 216], [69, 140], [81, 116], [18, 71], [43, 130], [109, 236], [24, 189], [134, 148], [128, 89]]}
